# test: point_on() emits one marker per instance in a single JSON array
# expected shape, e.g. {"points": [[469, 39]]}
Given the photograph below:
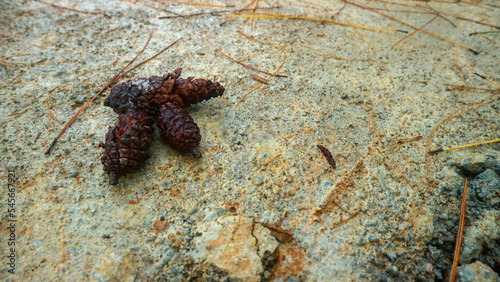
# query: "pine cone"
{"points": [[194, 91], [127, 144], [142, 93], [178, 129], [142, 101]]}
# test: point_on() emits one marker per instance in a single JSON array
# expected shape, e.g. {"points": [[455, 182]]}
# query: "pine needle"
{"points": [[192, 3], [246, 94], [5, 64], [213, 13], [461, 147], [458, 17], [415, 31], [484, 32], [267, 44], [487, 79], [412, 26], [242, 9], [152, 7], [71, 9], [460, 233], [313, 19], [240, 63], [464, 87], [18, 39]]}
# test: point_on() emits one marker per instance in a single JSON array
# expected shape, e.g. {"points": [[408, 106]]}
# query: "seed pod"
{"points": [[328, 155], [178, 129], [127, 144]]}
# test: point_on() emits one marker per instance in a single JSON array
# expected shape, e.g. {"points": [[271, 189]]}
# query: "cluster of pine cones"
{"points": [[145, 101]]}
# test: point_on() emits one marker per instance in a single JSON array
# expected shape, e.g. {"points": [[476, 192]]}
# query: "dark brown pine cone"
{"points": [[178, 129], [194, 91], [142, 93], [127, 144]]}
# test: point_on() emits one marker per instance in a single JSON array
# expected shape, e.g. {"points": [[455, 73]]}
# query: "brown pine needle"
{"points": [[18, 39], [149, 59], [463, 87], [461, 147], [115, 78], [140, 52], [485, 32], [255, 39], [152, 7], [460, 18], [71, 9], [315, 20], [192, 3], [242, 9], [267, 44], [246, 94], [253, 13], [487, 79], [460, 233], [5, 64], [240, 63], [412, 26], [415, 31], [213, 13]]}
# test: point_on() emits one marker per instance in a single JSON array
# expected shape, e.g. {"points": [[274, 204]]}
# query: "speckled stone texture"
{"points": [[388, 212]]}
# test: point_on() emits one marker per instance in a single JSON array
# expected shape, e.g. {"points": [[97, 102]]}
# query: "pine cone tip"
{"points": [[113, 178], [195, 152]]}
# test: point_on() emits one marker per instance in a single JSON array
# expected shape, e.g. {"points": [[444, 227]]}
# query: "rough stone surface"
{"points": [[483, 234], [476, 272], [235, 244], [387, 212]]}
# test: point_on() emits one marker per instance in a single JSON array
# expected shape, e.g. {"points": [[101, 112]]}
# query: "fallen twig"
{"points": [[460, 233]]}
